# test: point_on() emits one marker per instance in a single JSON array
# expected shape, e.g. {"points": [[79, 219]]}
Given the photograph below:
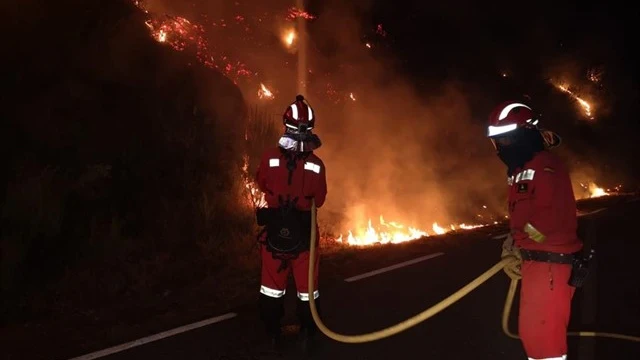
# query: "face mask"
{"points": [[299, 141], [521, 146]]}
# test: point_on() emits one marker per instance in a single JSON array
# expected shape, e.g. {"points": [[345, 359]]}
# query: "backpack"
{"points": [[288, 229]]}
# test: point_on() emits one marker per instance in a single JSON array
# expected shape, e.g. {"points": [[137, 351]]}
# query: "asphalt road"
{"points": [[470, 329]]}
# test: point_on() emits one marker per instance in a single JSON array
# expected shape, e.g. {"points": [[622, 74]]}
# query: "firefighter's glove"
{"points": [[534, 234], [509, 249]]}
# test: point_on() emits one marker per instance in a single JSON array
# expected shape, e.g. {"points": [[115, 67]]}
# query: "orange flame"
{"points": [[394, 233], [264, 92], [289, 37], [594, 190], [583, 103], [255, 197], [162, 36]]}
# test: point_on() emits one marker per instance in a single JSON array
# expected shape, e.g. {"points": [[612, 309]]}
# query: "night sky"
{"points": [[474, 43]]}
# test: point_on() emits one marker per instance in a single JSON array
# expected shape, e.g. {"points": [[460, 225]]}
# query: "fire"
{"points": [[289, 37], [194, 35], [182, 34], [594, 190], [394, 233], [255, 197], [162, 36], [585, 105], [387, 232], [264, 92]]}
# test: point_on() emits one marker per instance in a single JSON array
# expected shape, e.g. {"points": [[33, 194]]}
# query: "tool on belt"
{"points": [[579, 262]]}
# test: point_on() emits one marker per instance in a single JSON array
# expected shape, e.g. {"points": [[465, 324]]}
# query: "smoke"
{"points": [[394, 151], [412, 157], [417, 160]]}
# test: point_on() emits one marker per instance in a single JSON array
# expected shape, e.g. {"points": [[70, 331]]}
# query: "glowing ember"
{"points": [[181, 34], [583, 103], [380, 31], [264, 92], [616, 189], [595, 74], [295, 13], [242, 28], [352, 97]]}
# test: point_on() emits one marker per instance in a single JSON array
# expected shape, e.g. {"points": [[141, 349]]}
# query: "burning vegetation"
{"points": [[585, 105], [186, 35], [593, 191], [245, 29]]}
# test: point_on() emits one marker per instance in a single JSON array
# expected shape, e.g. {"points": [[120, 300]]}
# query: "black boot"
{"points": [[308, 328], [271, 313]]}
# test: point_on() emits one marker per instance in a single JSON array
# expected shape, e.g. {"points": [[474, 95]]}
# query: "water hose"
{"points": [[508, 263]]}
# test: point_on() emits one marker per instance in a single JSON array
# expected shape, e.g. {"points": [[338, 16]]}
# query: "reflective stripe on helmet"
{"points": [[294, 111], [310, 113], [497, 130], [505, 111]]}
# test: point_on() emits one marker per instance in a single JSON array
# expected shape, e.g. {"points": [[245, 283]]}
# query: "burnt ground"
{"points": [[468, 329]]}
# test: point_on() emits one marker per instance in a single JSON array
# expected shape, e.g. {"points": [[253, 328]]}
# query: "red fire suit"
{"points": [[308, 180], [543, 217]]}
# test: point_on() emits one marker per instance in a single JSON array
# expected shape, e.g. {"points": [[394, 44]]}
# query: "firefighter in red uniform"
{"points": [[290, 175], [543, 223]]}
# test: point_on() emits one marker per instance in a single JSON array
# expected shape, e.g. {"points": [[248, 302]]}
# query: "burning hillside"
{"points": [[587, 107], [390, 153], [245, 31]]}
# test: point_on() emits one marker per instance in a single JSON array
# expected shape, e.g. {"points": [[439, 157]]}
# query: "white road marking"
{"points": [[392, 267], [501, 236], [156, 337], [593, 212]]}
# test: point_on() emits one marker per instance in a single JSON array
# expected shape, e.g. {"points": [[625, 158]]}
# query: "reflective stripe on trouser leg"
{"points": [[563, 357], [305, 296], [274, 293]]}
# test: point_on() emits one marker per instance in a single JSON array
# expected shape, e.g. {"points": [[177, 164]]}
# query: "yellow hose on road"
{"points": [[508, 263], [508, 303]]}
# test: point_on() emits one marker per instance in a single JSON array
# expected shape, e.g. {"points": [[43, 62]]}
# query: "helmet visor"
{"points": [[503, 140]]}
